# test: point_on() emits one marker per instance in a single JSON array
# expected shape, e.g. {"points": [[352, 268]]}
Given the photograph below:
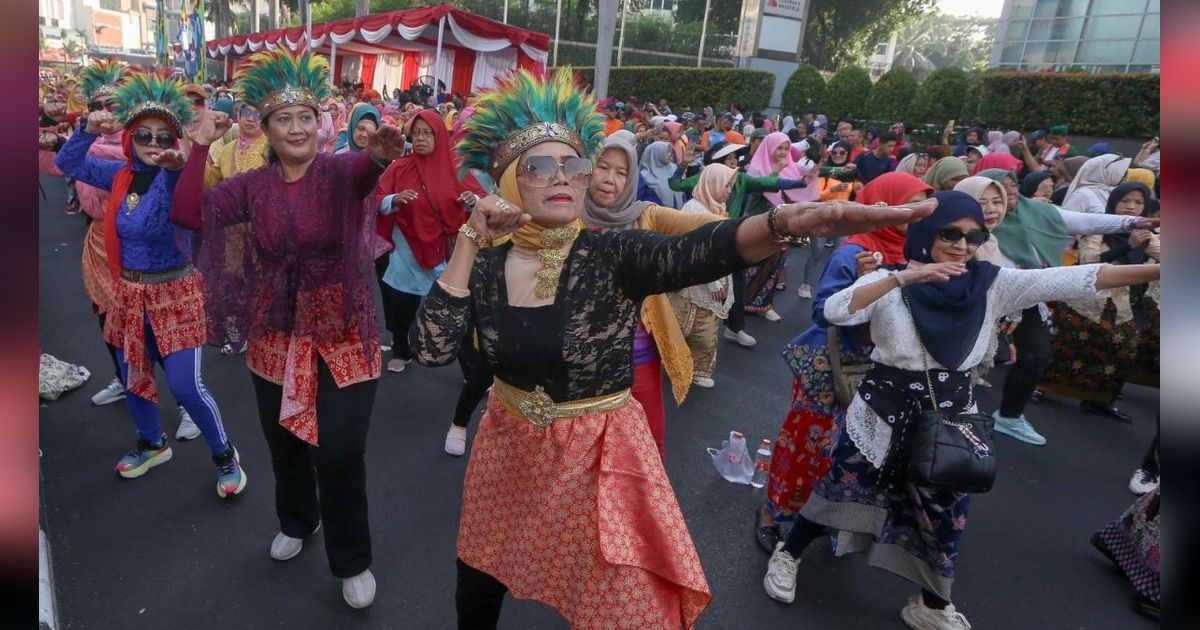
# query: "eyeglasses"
{"points": [[249, 114], [96, 106], [421, 133], [954, 235], [144, 137], [543, 169]]}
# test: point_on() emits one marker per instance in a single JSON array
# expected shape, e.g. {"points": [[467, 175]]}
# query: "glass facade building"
{"points": [[1092, 35]]}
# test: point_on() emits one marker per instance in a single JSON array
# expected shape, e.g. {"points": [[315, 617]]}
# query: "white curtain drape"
{"points": [[488, 66], [445, 73], [388, 73]]}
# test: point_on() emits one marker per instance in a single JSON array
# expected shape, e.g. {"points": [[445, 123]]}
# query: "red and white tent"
{"points": [[392, 49]]}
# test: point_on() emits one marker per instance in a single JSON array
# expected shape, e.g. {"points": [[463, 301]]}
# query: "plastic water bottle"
{"points": [[762, 464]]}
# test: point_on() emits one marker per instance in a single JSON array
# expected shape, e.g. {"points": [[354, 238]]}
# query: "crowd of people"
{"points": [[568, 253]]}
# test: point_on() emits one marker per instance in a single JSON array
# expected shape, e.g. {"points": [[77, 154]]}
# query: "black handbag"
{"points": [[951, 451]]}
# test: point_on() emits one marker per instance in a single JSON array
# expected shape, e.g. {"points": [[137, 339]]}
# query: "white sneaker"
{"points": [[111, 394], [1142, 481], [780, 581], [285, 547], [740, 337], [359, 591], [456, 440], [921, 617], [703, 381], [771, 315], [397, 365], [805, 291], [187, 429]]}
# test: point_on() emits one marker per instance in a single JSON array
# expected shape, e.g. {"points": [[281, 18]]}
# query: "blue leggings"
{"points": [[183, 379]]}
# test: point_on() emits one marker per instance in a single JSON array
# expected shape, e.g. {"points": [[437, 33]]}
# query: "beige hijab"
{"points": [[976, 186]]}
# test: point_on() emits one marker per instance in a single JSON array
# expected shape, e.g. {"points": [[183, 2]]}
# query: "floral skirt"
{"points": [[1145, 364], [761, 281], [581, 517], [1134, 541], [1089, 360], [910, 531]]}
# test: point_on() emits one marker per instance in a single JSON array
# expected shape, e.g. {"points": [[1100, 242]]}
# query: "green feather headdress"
{"points": [[153, 94], [524, 110], [279, 78], [100, 78]]}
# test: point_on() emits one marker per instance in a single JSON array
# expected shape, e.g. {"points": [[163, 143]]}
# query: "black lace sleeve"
{"points": [[648, 263], [440, 327]]}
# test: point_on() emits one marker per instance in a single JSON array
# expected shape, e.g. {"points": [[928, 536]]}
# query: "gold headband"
{"points": [[154, 108], [103, 90], [530, 136], [288, 96]]}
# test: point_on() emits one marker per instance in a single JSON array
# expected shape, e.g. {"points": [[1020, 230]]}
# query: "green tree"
{"points": [[841, 32], [804, 89], [937, 40], [892, 96], [847, 93], [723, 15], [940, 98]]}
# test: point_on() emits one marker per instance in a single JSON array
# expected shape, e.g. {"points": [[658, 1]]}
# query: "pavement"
{"points": [[163, 551]]}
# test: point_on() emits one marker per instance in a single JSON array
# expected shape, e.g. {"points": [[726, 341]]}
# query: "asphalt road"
{"points": [[163, 551]]}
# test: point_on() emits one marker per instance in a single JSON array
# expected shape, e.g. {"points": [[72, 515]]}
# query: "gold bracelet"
{"points": [[469, 232], [778, 235]]}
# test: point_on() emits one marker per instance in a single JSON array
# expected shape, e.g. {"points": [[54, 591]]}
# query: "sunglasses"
{"points": [[164, 140], [954, 235], [541, 170], [199, 102], [249, 114], [96, 106]]}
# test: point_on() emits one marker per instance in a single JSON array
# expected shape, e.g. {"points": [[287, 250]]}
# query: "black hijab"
{"points": [[1030, 183], [948, 315], [1120, 242]]}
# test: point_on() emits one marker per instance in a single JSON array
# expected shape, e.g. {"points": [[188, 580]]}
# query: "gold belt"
{"points": [[541, 411], [156, 277]]}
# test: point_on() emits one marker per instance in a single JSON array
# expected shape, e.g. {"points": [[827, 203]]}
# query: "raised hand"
{"points": [[494, 217], [102, 123], [932, 272], [866, 262], [843, 218], [213, 125], [1146, 224], [171, 159], [386, 143]]}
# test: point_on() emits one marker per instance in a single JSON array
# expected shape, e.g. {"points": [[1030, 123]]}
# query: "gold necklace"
{"points": [[552, 256]]}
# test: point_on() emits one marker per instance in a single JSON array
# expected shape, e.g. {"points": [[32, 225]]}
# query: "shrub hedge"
{"points": [[690, 87], [804, 89], [847, 93], [892, 96], [1110, 105]]}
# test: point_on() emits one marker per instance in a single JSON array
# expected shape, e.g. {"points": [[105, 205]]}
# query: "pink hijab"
{"points": [[675, 142], [762, 165]]}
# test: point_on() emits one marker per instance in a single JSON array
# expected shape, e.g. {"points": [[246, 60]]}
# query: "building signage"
{"points": [[794, 9]]}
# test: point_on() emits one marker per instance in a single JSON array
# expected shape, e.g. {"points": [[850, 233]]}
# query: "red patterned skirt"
{"points": [[581, 516], [175, 310]]}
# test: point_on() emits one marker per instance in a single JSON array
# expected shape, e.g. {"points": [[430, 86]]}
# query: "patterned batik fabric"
{"points": [[175, 311], [810, 430], [1134, 542], [1145, 365], [581, 517], [291, 362], [913, 532], [1089, 360], [761, 281]]}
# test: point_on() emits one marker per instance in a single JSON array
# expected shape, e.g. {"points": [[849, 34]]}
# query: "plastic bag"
{"points": [[56, 377], [733, 461]]}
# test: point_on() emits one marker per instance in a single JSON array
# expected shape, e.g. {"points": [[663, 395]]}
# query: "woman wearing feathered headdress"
{"points": [[157, 311], [302, 296], [564, 471]]}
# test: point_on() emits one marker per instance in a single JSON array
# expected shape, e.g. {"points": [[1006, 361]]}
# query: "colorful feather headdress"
{"points": [[525, 110], [101, 78], [154, 94], [279, 78]]}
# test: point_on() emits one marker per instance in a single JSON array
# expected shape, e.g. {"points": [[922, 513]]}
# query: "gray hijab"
{"points": [[626, 210]]}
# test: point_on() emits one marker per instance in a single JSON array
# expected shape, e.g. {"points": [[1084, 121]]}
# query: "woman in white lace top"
{"points": [[939, 321]]}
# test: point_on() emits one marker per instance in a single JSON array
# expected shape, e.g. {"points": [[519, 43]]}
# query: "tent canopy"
{"points": [[473, 51]]}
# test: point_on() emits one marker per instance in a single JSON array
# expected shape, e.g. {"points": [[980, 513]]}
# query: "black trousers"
{"points": [[478, 375], [336, 469], [478, 598], [1033, 341], [112, 351], [1150, 461], [737, 314], [399, 311]]}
